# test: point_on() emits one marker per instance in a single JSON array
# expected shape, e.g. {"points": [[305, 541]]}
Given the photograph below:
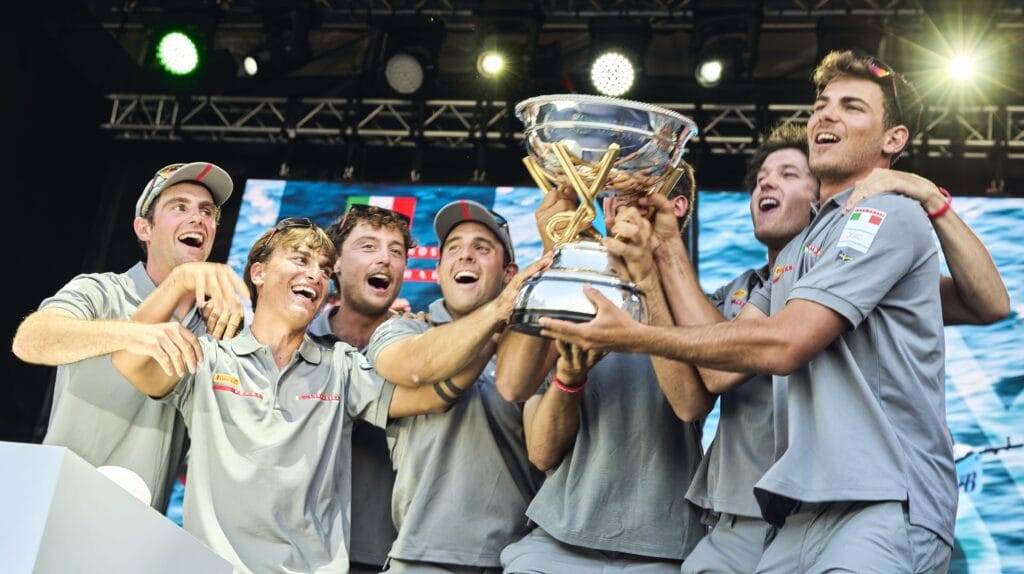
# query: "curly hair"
{"points": [[292, 237], [373, 216], [902, 103], [784, 136]]}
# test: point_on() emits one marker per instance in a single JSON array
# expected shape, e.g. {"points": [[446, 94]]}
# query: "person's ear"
{"points": [[143, 229], [896, 140]]}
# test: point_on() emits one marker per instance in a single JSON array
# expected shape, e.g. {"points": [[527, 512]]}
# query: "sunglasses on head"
{"points": [[503, 226], [157, 183], [288, 223], [881, 70]]}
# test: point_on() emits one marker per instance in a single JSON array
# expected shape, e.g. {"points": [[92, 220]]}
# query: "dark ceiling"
{"points": [[347, 40]]}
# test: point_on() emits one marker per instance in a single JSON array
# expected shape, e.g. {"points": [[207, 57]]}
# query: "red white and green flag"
{"points": [[404, 205]]}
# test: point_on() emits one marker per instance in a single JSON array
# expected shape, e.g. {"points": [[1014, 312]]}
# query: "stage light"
{"points": [[490, 64], [724, 44], [286, 45], [612, 74], [961, 68], [410, 49], [709, 73], [404, 73], [177, 53], [617, 51]]}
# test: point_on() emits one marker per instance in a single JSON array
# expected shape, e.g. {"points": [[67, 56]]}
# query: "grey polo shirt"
{"points": [[866, 417], [96, 412], [622, 486], [372, 479], [268, 477], [463, 476], [743, 447]]}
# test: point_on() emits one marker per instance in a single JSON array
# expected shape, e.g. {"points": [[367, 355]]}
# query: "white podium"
{"points": [[58, 514]]}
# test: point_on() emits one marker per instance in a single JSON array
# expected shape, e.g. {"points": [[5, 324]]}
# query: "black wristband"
{"points": [[444, 396]]}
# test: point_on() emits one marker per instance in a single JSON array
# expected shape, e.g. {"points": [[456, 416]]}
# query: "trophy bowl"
{"points": [[597, 146], [651, 139]]}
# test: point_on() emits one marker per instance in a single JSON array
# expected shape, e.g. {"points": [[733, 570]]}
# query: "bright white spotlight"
{"points": [[961, 68], [251, 65], [404, 73], [490, 64], [612, 74], [709, 73]]}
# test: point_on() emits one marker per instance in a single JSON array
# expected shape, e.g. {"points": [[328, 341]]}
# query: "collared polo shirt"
{"points": [[866, 417], [463, 476], [744, 446], [268, 480]]}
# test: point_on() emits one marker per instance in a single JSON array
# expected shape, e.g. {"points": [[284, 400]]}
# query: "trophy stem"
{"points": [[538, 176]]}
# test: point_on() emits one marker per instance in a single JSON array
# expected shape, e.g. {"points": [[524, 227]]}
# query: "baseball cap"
{"points": [[465, 210], [210, 176]]}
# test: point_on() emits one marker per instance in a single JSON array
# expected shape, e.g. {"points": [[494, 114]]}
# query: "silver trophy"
{"points": [[597, 146]]}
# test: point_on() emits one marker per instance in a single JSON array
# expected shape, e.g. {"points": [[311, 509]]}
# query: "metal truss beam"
{"points": [[726, 129]]}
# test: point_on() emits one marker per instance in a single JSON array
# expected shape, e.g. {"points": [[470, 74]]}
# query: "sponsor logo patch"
{"points": [[234, 391], [778, 271], [318, 397], [226, 379], [739, 297], [861, 229], [843, 256]]}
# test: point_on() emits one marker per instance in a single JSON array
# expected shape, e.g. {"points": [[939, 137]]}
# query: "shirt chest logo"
{"points": [[861, 229], [739, 297], [318, 397], [779, 271], [228, 383]]}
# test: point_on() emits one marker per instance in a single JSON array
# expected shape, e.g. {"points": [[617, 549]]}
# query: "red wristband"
{"points": [[945, 206], [566, 388]]}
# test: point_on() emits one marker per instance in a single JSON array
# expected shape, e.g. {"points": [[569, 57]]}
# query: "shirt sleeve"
{"points": [[390, 331], [883, 239], [761, 297], [719, 297], [366, 397], [85, 297], [182, 397]]}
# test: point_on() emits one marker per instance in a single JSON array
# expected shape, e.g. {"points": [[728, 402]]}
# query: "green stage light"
{"points": [[177, 54]]}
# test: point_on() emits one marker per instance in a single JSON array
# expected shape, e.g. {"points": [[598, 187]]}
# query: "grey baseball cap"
{"points": [[464, 210], [206, 174]]}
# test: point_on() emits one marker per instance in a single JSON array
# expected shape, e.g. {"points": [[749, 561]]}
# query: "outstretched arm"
{"points": [[775, 345], [975, 293], [444, 351], [55, 336]]}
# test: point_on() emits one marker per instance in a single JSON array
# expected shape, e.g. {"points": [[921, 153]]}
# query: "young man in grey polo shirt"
{"points": [[271, 411], [783, 190], [373, 249], [617, 454], [867, 478], [463, 478], [96, 413]]}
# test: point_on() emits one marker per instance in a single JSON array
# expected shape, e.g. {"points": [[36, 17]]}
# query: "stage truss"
{"points": [[976, 132]]}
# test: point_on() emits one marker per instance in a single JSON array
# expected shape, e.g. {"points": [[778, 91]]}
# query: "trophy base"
{"points": [[528, 322]]}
